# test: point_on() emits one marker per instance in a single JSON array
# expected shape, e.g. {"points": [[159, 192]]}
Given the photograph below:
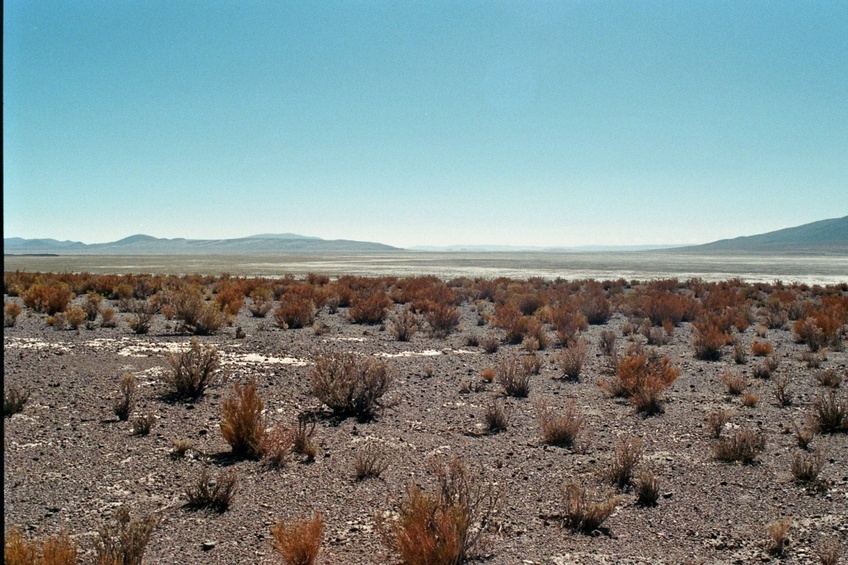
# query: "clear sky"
{"points": [[424, 123]]}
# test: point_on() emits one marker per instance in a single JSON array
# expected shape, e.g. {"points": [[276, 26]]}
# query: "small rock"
{"points": [[207, 545]]}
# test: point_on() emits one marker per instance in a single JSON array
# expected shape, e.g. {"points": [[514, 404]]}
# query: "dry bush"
{"points": [[141, 425], [513, 377], [192, 370], [567, 321], [558, 428], [142, 312], [765, 369], [211, 320], [230, 299], [490, 343], [733, 382], [351, 385], [14, 399], [628, 452], [532, 363], [443, 318], [647, 489], [782, 393], [298, 542], [92, 305], [243, 421], [571, 358], [803, 435], [761, 348], [594, 305], [750, 399], [75, 316], [123, 539], [516, 325], [709, 339], [403, 324], [488, 374], [778, 532], [11, 311], [607, 342], [744, 446], [582, 515], [303, 442], [807, 466], [212, 494], [495, 417], [370, 307], [261, 301], [442, 527], [371, 461], [55, 550], [740, 357], [716, 421], [829, 552], [661, 305], [642, 380], [48, 297], [296, 310], [276, 446], [107, 317], [830, 413], [125, 401], [828, 378], [180, 448]]}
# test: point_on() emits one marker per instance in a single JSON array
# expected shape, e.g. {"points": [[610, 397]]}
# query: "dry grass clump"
{"points": [[56, 550], [734, 383], [560, 428], [829, 552], [75, 316], [830, 413], [778, 532], [647, 489], [243, 421], [351, 385], [761, 348], [192, 370], [744, 446], [581, 514], [642, 379], [371, 461], [782, 393], [370, 307], [828, 378], [607, 342], [303, 442], [765, 369], [298, 542], [14, 399], [11, 311], [709, 339], [571, 358], [276, 447], [444, 526], [49, 297], [740, 357], [296, 310], [495, 417], [142, 312], [403, 325], [442, 317], [142, 424], [567, 322], [716, 422], [213, 494], [125, 401], [123, 539], [490, 343], [807, 466], [627, 454], [750, 399], [513, 377]]}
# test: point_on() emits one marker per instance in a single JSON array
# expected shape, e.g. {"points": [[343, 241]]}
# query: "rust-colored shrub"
{"points": [[230, 299], [567, 322], [75, 316], [830, 413], [298, 542], [594, 304], [54, 550], [761, 348], [370, 307], [125, 401], [513, 377], [744, 446], [243, 421], [212, 493], [11, 311], [570, 359], [643, 380], [276, 447], [296, 310], [560, 428], [442, 317], [709, 339], [124, 539], [403, 324], [92, 305], [628, 452], [371, 462], [647, 489], [47, 298], [581, 514]]}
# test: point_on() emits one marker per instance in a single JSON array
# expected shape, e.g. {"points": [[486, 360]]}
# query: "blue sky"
{"points": [[424, 123]]}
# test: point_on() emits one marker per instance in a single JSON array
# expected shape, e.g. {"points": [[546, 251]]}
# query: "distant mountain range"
{"points": [[826, 237], [263, 244]]}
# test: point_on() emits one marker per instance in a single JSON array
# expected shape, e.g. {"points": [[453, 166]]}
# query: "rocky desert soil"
{"points": [[69, 462]]}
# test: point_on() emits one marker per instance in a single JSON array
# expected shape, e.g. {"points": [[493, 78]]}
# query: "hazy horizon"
{"points": [[556, 124]]}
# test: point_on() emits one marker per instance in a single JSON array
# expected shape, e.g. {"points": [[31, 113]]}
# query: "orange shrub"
{"points": [[47, 298], [298, 542], [295, 311], [761, 348], [442, 317], [709, 338], [370, 308], [643, 380], [243, 423]]}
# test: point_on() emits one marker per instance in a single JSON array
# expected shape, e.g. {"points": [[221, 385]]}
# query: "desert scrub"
{"points": [[443, 318], [14, 399], [559, 428], [495, 417], [744, 446], [11, 311], [627, 454], [580, 513], [778, 532], [513, 377], [192, 370], [298, 542], [716, 422], [142, 424], [570, 359], [734, 383], [643, 380], [807, 466], [403, 324], [647, 489], [351, 385], [124, 403], [212, 494], [55, 550], [276, 447], [371, 461], [123, 539], [830, 413], [441, 527], [243, 421]]}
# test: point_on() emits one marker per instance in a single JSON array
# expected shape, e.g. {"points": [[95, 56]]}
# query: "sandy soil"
{"points": [[69, 462]]}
